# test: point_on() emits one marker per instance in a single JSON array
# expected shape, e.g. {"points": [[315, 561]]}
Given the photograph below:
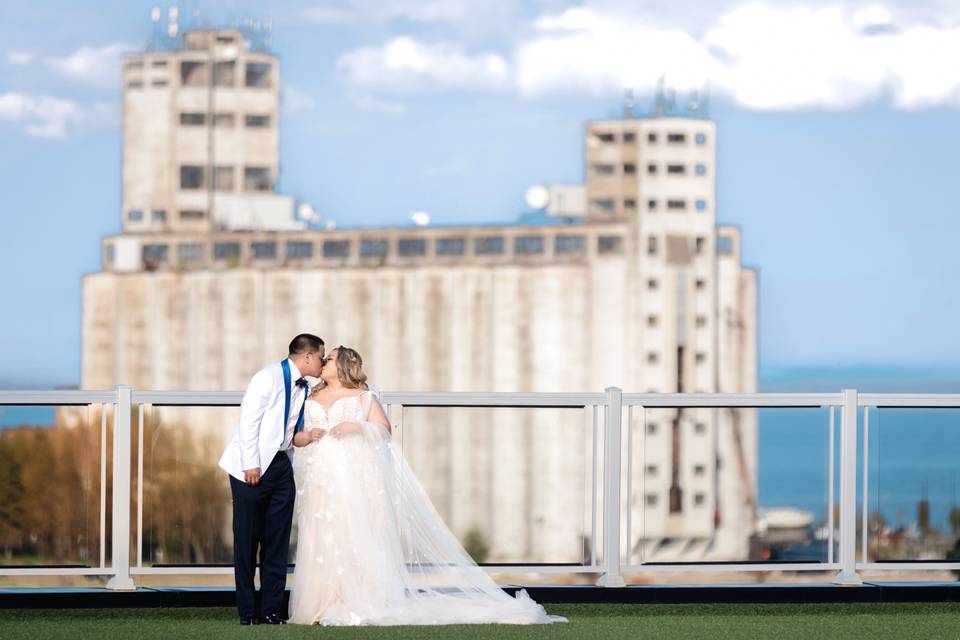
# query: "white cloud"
{"points": [[580, 50], [20, 58], [405, 64], [775, 56], [40, 116], [427, 11], [99, 66]]}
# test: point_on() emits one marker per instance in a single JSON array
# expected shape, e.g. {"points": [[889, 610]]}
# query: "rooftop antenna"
{"points": [[155, 40], [660, 98], [173, 26], [629, 104], [705, 101]]}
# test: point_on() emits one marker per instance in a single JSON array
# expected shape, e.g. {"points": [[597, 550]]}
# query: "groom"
{"points": [[258, 459]]}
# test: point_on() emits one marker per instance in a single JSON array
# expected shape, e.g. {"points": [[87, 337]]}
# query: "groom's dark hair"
{"points": [[305, 343]]}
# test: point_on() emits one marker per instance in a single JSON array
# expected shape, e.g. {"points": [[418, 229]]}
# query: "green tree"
{"points": [[923, 516], [11, 501], [475, 543], [954, 518]]}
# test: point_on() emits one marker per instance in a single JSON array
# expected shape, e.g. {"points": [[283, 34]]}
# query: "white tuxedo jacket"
{"points": [[260, 432]]}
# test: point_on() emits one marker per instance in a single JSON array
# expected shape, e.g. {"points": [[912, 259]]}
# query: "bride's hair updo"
{"points": [[350, 368]]}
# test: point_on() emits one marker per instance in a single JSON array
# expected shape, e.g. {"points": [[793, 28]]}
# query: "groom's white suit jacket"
{"points": [[262, 428]]}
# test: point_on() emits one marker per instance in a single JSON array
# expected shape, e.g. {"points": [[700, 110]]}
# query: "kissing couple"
{"points": [[371, 548]]}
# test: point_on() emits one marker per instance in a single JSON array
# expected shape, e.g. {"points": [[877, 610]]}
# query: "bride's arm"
{"points": [[302, 438], [307, 436], [377, 415]]}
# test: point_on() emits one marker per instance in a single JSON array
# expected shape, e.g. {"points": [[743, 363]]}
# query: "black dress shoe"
{"points": [[249, 620], [273, 618]]}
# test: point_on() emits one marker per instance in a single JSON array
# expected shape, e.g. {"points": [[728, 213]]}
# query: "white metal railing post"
{"points": [[612, 454], [848, 491], [120, 530]]}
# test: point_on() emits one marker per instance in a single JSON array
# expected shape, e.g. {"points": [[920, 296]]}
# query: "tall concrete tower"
{"points": [[200, 143]]}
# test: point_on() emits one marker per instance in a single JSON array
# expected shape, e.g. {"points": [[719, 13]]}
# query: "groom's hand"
{"points": [[252, 476]]}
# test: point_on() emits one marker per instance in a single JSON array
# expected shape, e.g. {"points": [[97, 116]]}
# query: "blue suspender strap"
{"points": [[299, 426], [286, 391], [286, 399]]}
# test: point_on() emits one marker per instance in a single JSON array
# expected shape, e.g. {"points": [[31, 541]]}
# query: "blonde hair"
{"points": [[350, 368]]}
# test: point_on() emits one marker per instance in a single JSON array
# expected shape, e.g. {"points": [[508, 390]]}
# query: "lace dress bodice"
{"points": [[344, 409]]}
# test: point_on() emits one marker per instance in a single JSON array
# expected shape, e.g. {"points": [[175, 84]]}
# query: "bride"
{"points": [[371, 549]]}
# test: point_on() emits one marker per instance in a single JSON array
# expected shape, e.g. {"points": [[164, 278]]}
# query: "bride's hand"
{"points": [[316, 434], [344, 428]]}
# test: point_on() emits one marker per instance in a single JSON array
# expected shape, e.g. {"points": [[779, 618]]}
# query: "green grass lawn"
{"points": [[637, 622]]}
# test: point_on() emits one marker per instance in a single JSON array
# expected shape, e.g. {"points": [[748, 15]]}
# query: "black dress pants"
{"points": [[262, 516]]}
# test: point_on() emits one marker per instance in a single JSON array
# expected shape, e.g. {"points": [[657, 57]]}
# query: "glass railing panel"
{"points": [[55, 491], [730, 485], [514, 485], [913, 485]]}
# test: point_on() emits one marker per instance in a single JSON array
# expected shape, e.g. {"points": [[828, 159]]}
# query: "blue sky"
{"points": [[837, 141]]}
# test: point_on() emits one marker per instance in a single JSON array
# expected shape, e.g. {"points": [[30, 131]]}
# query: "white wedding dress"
{"points": [[371, 549]]}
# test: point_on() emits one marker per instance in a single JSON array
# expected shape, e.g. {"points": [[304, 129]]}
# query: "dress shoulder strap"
{"points": [[365, 401]]}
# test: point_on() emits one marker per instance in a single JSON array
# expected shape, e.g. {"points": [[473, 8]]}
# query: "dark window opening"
{"points": [[336, 248], [264, 250], [450, 246], [258, 74], [412, 247], [528, 245], [570, 244], [373, 248], [299, 249], [491, 245], [226, 250]]}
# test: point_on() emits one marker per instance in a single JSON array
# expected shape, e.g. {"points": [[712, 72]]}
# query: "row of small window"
{"points": [[630, 169], [196, 177], [199, 119], [196, 73], [653, 321], [652, 499], [407, 247], [654, 358], [699, 470], [372, 248], [699, 428], [653, 245], [653, 284], [672, 137], [672, 204]]}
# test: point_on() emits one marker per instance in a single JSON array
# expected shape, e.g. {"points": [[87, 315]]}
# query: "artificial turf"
{"points": [[636, 622]]}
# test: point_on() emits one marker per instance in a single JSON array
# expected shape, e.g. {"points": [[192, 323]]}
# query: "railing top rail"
{"points": [[711, 400], [188, 398], [56, 397], [915, 400], [493, 399], [412, 399]]}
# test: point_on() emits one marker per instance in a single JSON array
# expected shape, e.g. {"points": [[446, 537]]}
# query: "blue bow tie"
{"points": [[302, 383]]}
